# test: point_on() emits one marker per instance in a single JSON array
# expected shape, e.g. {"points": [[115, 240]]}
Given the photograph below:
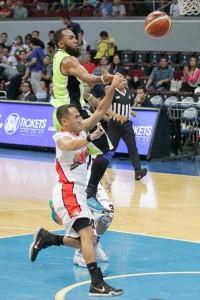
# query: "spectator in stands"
{"points": [[118, 9], [4, 39], [51, 50], [116, 65], [42, 94], [1, 48], [20, 12], [13, 80], [83, 46], [50, 93], [105, 9], [36, 34], [10, 59], [27, 39], [105, 46], [174, 10], [47, 4], [3, 58], [53, 4], [87, 64], [98, 89], [191, 77], [27, 93], [51, 37], [160, 77], [71, 4], [87, 4], [74, 27], [6, 9], [35, 64], [17, 45], [141, 99], [22, 65], [47, 70]]}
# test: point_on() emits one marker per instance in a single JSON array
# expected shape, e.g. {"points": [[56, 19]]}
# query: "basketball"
{"points": [[157, 24]]}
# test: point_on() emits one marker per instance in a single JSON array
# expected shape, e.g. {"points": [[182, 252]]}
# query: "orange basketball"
{"points": [[157, 24]]}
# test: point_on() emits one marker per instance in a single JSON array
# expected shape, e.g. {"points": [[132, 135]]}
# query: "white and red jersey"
{"points": [[72, 166]]}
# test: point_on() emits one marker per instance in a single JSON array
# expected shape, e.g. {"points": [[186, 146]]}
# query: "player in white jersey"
{"points": [[102, 221], [68, 197]]}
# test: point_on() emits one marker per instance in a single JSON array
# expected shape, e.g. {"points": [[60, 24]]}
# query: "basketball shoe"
{"points": [[95, 205], [39, 243], [100, 288], [54, 215], [139, 174], [100, 255]]}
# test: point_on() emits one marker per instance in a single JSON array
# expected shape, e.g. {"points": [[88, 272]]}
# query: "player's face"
{"points": [[74, 121], [69, 43]]}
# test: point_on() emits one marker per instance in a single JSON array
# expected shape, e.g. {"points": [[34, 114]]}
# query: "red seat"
{"points": [[61, 12], [136, 72], [51, 13], [39, 13], [87, 12], [75, 12]]}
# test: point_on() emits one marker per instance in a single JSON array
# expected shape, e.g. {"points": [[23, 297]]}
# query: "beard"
{"points": [[71, 51]]}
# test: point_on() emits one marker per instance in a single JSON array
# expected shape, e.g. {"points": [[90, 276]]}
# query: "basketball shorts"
{"points": [[69, 207]]}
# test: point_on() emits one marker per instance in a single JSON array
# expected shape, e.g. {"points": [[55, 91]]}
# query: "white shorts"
{"points": [[70, 207]]}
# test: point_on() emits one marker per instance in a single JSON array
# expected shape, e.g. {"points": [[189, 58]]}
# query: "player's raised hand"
{"points": [[107, 77], [97, 133], [118, 80]]}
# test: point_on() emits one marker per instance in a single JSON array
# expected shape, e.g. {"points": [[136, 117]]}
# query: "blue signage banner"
{"points": [[26, 124], [144, 125], [32, 125]]}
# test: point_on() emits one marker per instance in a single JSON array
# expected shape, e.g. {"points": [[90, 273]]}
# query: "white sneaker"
{"points": [[100, 253], [78, 259]]}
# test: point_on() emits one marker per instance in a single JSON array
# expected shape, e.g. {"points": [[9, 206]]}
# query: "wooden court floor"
{"points": [[163, 205]]}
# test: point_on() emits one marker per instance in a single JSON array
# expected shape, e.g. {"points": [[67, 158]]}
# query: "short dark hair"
{"points": [[142, 88], [58, 35], [51, 31], [36, 32], [34, 41], [51, 45], [4, 33], [62, 111], [104, 33], [67, 17]]}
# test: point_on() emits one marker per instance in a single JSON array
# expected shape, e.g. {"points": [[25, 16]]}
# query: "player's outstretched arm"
{"points": [[104, 104], [71, 66]]}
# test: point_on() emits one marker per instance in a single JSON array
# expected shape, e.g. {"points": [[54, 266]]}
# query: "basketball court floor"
{"points": [[153, 242]]}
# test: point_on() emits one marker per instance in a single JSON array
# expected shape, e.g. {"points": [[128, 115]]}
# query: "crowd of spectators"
{"points": [[21, 9], [29, 59]]}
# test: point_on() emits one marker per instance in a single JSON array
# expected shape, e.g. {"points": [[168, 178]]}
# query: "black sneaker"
{"points": [[38, 244], [139, 174], [102, 289]]}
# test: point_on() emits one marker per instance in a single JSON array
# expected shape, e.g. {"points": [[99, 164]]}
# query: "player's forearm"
{"points": [[93, 79], [73, 144]]}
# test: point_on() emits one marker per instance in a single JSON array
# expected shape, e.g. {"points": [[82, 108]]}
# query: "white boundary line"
{"points": [[60, 295]]}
